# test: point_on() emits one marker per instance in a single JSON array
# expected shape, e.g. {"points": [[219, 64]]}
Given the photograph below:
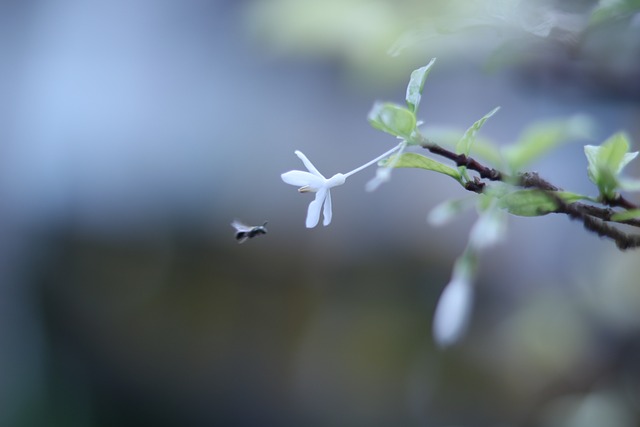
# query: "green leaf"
{"points": [[626, 215], [482, 148], [416, 85], [542, 137], [465, 143], [607, 161], [413, 160], [393, 119], [629, 184], [613, 9], [535, 202]]}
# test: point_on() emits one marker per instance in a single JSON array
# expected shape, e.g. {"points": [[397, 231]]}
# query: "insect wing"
{"points": [[240, 227]]}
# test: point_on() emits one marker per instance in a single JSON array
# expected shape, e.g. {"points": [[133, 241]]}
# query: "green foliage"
{"points": [[413, 160], [613, 9], [626, 215], [499, 193], [514, 192], [543, 137], [393, 119], [416, 85], [606, 163], [535, 202], [482, 147], [467, 140]]}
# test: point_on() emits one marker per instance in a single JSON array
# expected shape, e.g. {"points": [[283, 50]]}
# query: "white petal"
{"points": [[453, 312], [308, 164], [490, 228], [313, 213], [301, 178], [444, 212], [326, 213], [383, 174], [335, 180]]}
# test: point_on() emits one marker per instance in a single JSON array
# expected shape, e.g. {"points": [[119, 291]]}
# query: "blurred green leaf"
{"points": [[416, 85], [613, 9], [542, 137], [482, 147], [607, 161], [625, 215], [535, 202], [393, 119], [413, 160], [465, 143], [629, 184]]}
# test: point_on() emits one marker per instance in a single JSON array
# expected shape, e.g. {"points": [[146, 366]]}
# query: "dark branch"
{"points": [[574, 210], [470, 163], [620, 201], [592, 217]]}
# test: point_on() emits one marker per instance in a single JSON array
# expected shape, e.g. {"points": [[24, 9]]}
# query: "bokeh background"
{"points": [[133, 132]]}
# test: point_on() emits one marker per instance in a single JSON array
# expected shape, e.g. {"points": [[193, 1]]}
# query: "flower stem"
{"points": [[377, 159]]}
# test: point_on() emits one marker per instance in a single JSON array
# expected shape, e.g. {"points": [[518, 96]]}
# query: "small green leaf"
{"points": [[413, 160], [535, 202], [629, 184], [416, 85], [482, 148], [542, 137], [626, 215], [393, 119], [613, 9], [465, 143], [607, 161]]}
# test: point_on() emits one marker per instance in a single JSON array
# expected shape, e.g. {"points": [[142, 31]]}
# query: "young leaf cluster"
{"points": [[504, 188], [517, 192]]}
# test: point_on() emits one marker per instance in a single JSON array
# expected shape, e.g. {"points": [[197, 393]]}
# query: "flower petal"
{"points": [[326, 213], [489, 229], [335, 180], [453, 311], [383, 174], [313, 213], [308, 164], [301, 178]]}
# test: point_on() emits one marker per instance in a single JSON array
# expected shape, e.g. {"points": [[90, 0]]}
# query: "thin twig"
{"points": [[593, 218]]}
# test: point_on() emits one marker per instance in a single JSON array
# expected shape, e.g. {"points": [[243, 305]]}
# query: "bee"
{"points": [[244, 232]]}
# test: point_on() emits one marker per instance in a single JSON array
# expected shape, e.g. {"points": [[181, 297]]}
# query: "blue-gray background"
{"points": [[133, 132]]}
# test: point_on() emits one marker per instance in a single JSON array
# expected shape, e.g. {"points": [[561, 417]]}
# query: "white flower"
{"points": [[313, 181], [383, 173], [489, 229], [453, 311]]}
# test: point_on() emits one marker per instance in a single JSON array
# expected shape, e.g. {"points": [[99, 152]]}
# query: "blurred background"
{"points": [[133, 133]]}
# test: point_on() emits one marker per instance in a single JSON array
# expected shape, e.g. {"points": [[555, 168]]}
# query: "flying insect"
{"points": [[245, 232]]}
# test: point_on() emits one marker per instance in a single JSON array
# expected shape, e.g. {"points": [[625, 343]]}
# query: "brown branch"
{"points": [[622, 240], [593, 218], [620, 201], [468, 162]]}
